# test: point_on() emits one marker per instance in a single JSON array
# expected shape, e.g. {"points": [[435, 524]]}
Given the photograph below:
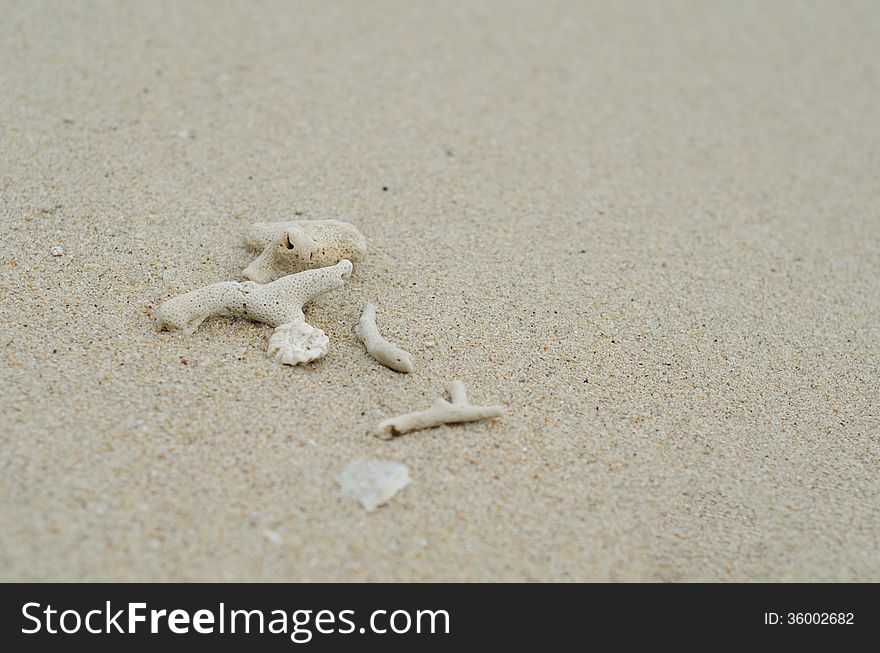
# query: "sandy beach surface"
{"points": [[649, 229]]}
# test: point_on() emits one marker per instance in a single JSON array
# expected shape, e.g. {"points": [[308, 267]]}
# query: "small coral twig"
{"points": [[440, 412], [276, 303], [387, 353]]}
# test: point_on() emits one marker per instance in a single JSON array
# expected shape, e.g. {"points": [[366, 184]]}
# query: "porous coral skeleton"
{"points": [[290, 247], [278, 304]]}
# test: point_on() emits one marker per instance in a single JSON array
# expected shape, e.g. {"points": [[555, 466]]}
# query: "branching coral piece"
{"points": [[276, 303], [440, 412], [290, 247], [387, 353], [297, 342]]}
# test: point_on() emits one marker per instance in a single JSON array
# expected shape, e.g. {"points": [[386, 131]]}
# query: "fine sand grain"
{"points": [[651, 230]]}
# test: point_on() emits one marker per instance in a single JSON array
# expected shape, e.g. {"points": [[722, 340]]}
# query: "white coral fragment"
{"points": [[387, 353], [297, 342], [373, 482], [441, 412], [290, 247], [276, 303]]}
